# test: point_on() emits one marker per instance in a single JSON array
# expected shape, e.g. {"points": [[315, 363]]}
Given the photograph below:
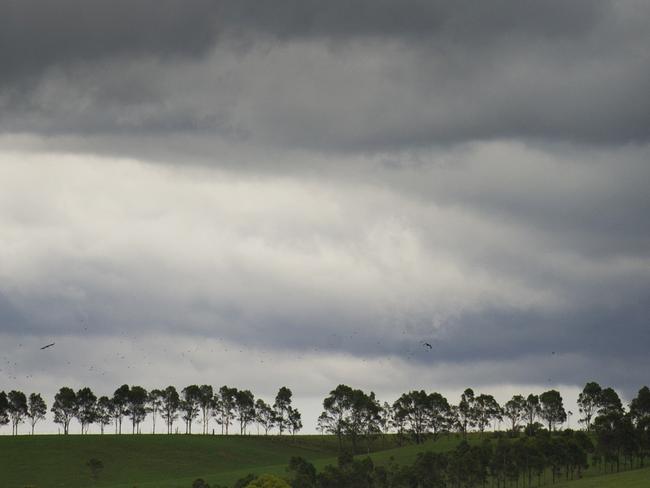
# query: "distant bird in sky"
{"points": [[49, 345], [426, 344]]}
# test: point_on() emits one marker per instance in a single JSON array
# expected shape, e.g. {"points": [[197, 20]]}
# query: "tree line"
{"points": [[227, 406], [352, 415], [503, 461], [527, 454], [622, 435]]}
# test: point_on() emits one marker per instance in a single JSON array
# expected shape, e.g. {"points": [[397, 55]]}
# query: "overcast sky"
{"points": [[300, 192]]}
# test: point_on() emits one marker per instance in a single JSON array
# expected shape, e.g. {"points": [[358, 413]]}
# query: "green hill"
{"points": [[161, 461], [57, 461], [639, 478]]}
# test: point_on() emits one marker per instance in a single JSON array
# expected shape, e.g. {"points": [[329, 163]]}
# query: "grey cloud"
{"points": [[37, 33], [337, 78], [582, 202], [462, 21], [11, 319], [615, 331], [330, 264]]}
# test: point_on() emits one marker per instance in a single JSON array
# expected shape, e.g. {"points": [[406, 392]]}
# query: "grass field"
{"points": [[57, 461], [161, 461], [639, 478]]}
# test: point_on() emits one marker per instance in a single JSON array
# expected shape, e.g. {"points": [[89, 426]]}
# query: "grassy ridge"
{"points": [[175, 461], [638, 478], [162, 461], [57, 461]]}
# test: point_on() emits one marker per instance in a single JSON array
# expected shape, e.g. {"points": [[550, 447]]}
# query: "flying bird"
{"points": [[426, 344], [49, 345]]}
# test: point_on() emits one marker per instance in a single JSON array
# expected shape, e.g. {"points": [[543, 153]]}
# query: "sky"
{"points": [[300, 193]]}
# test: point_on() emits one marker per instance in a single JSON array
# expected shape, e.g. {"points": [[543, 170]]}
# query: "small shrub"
{"points": [[244, 482], [200, 483], [95, 466], [268, 481]]}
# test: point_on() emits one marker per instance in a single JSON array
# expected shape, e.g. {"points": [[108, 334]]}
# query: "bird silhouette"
{"points": [[48, 345]]}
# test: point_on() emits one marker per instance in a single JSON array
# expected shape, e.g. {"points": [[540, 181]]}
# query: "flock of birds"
{"points": [[190, 354]]}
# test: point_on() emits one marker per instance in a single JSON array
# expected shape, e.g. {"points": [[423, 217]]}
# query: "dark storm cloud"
{"points": [[465, 21], [334, 76], [37, 33], [616, 331]]}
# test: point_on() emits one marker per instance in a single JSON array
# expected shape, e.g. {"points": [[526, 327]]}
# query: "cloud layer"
{"points": [[360, 76]]}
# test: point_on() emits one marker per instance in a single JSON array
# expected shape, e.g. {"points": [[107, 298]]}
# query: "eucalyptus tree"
{"points": [[336, 406], [371, 418], [64, 407], [420, 413], [399, 425], [154, 405], [614, 430], [440, 412], [640, 406], [264, 415], [486, 409], [386, 420], [282, 406], [588, 401], [640, 416], [104, 412], [120, 404], [609, 403], [245, 409], [36, 409], [552, 408], [295, 421], [206, 403], [466, 411], [414, 409], [4, 408], [17, 409], [532, 409], [363, 417], [137, 401], [216, 410], [225, 407], [355, 416], [322, 423], [86, 408], [190, 405], [350, 412], [452, 420], [515, 411], [170, 406]]}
